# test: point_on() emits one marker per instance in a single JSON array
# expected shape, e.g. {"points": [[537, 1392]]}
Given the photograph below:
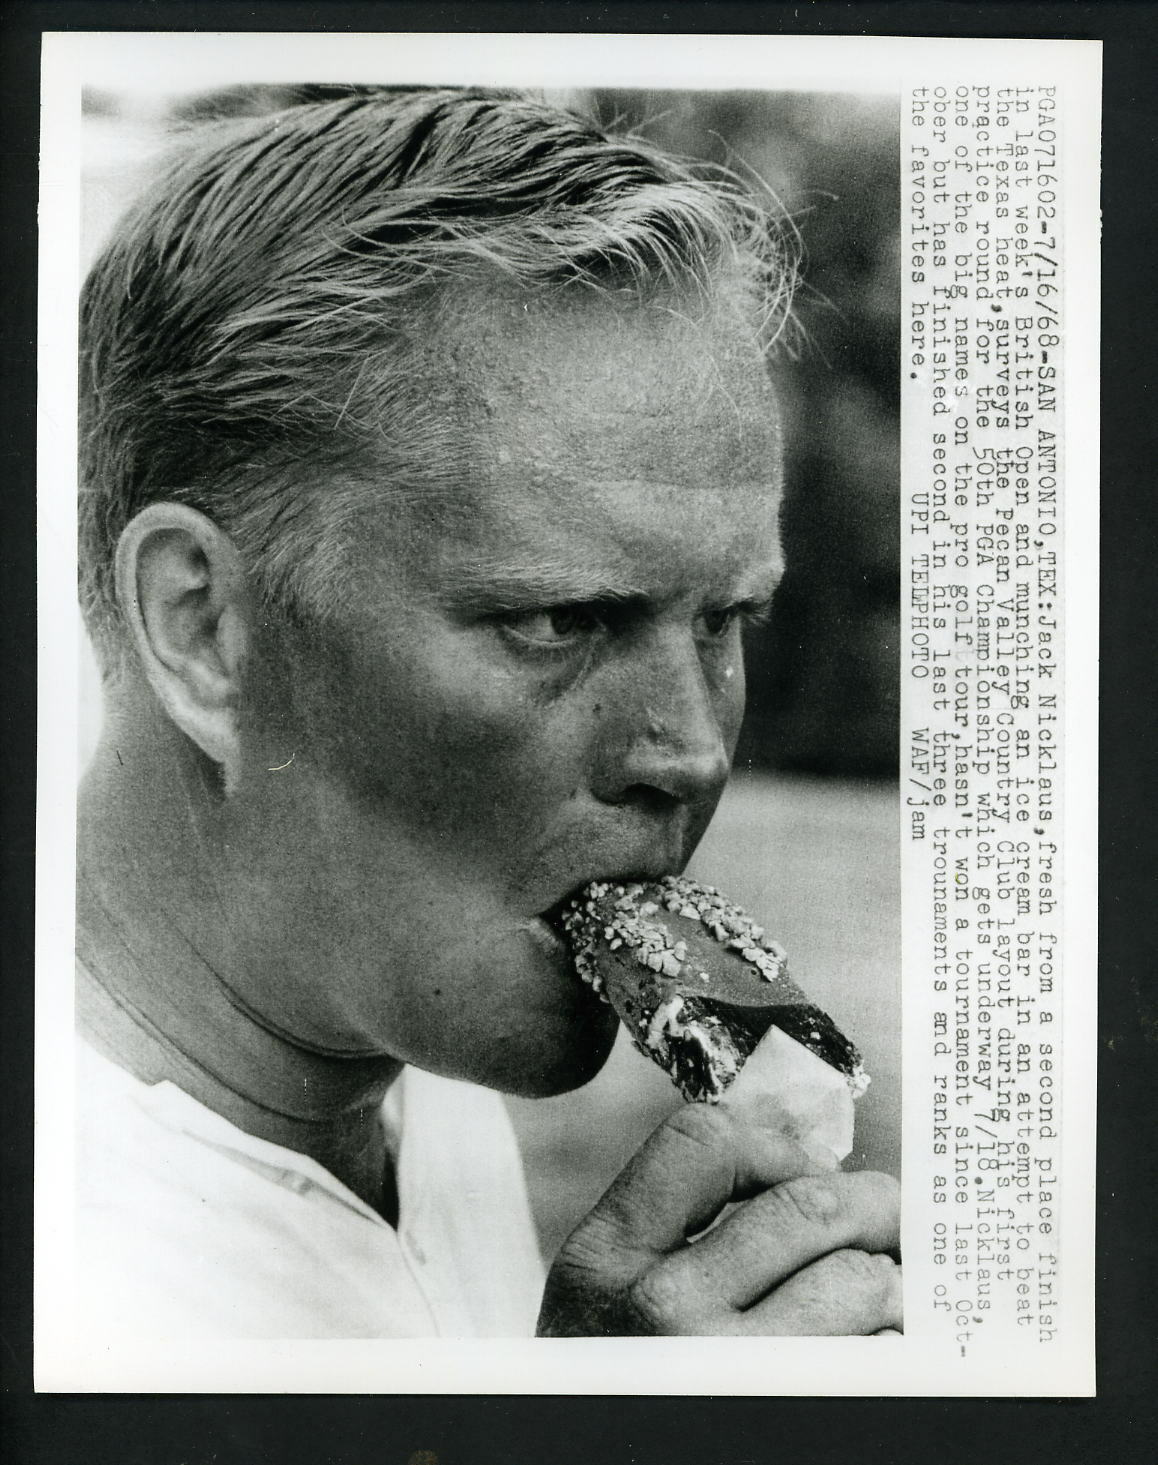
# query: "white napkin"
{"points": [[813, 1098]]}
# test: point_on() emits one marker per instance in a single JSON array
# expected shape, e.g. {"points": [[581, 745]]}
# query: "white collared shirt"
{"points": [[189, 1227]]}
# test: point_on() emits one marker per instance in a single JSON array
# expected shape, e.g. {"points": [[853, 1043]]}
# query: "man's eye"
{"points": [[718, 622], [558, 625]]}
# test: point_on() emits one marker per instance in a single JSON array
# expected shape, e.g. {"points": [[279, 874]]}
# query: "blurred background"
{"points": [[807, 835]]}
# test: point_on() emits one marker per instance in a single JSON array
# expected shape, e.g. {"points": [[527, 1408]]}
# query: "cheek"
{"points": [[444, 739], [726, 676], [734, 714]]}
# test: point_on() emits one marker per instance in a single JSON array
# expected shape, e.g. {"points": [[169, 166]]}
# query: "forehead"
{"points": [[598, 443], [672, 391]]}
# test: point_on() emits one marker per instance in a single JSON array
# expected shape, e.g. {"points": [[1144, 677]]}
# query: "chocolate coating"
{"points": [[696, 982]]}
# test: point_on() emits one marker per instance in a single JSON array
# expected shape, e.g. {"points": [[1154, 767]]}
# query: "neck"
{"points": [[160, 999]]}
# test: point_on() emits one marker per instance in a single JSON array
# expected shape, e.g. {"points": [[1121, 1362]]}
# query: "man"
{"points": [[430, 470]]}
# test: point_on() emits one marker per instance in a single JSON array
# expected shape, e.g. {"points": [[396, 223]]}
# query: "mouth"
{"points": [[551, 921], [547, 933]]}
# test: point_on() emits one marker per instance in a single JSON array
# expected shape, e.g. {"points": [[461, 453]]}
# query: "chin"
{"points": [[559, 1062]]}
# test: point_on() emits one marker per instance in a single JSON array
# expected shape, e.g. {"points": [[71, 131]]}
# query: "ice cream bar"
{"points": [[706, 995]]}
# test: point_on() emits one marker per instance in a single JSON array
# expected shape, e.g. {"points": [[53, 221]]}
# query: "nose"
{"points": [[665, 730]]}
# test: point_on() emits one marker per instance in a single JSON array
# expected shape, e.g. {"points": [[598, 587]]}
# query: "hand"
{"points": [[806, 1252]]}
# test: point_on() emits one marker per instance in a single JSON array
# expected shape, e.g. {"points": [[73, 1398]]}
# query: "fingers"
{"points": [[693, 1165], [774, 1234], [804, 1252], [848, 1292]]}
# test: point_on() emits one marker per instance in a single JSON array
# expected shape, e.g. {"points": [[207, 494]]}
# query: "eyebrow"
{"points": [[509, 587], [503, 587]]}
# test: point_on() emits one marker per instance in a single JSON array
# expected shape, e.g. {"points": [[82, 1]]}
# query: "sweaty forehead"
{"points": [[671, 391]]}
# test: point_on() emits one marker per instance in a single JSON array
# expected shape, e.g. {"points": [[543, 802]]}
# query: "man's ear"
{"points": [[182, 592]]}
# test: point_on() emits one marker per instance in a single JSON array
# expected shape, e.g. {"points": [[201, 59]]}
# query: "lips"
{"points": [[547, 930], [552, 917], [554, 913]]}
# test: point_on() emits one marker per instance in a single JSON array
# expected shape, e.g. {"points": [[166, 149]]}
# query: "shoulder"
{"points": [[188, 1227]]}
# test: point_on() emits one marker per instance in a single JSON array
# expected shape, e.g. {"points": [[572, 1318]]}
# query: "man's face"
{"points": [[540, 683]]}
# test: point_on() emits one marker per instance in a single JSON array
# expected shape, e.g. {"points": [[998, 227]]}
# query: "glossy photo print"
{"points": [[488, 829]]}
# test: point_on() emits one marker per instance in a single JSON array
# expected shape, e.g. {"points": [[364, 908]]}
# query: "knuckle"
{"points": [[704, 1125], [596, 1252], [656, 1299], [586, 1248], [869, 1272], [814, 1199]]}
